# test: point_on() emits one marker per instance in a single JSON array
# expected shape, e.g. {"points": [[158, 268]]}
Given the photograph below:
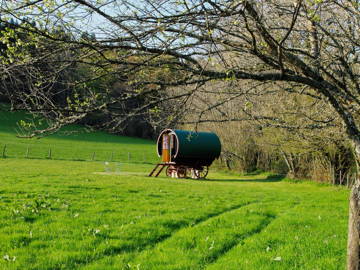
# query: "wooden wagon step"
{"points": [[158, 169]]}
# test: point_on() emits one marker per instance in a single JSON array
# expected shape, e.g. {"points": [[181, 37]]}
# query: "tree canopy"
{"points": [[250, 49], [309, 47]]}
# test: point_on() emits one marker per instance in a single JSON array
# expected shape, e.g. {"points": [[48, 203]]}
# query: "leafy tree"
{"points": [[308, 48]]}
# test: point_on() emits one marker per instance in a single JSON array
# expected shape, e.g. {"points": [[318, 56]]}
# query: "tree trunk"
{"points": [[353, 234], [289, 160], [314, 43], [354, 217]]}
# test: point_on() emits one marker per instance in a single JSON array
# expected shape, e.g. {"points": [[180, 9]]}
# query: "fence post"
{"points": [[27, 152], [112, 156], [93, 156], [4, 152], [49, 154]]}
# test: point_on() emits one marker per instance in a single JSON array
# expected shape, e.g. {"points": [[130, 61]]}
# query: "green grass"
{"points": [[79, 145], [61, 214]]}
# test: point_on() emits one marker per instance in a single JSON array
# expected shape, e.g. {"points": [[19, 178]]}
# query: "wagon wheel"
{"points": [[189, 171], [170, 170], [201, 173], [181, 172]]}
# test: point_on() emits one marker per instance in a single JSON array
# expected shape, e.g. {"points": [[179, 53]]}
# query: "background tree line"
{"points": [[68, 84], [298, 151]]}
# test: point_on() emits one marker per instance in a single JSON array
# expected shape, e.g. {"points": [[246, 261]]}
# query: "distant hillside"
{"points": [[72, 143]]}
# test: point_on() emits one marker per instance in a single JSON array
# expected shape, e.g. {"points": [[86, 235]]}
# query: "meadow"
{"points": [[66, 214], [71, 143]]}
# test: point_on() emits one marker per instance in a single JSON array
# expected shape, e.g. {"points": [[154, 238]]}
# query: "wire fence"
{"points": [[76, 154]]}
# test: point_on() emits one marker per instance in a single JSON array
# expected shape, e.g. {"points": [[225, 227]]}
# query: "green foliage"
{"points": [[17, 45]]}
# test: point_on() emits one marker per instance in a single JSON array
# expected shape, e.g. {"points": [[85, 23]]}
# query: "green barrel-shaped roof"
{"points": [[202, 145]]}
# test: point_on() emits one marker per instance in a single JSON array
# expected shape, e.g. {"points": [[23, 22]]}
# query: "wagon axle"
{"points": [[180, 171]]}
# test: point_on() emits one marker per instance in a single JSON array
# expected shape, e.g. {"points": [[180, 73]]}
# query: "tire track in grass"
{"points": [[252, 233], [182, 224], [202, 245], [135, 246], [269, 218], [175, 226]]}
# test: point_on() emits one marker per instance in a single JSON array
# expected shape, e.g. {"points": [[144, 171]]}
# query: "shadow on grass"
{"points": [[268, 179]]}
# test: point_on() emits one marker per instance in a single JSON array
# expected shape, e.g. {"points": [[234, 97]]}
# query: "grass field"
{"points": [[60, 214], [80, 145]]}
